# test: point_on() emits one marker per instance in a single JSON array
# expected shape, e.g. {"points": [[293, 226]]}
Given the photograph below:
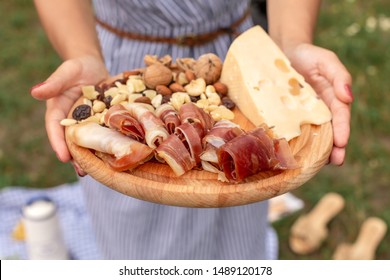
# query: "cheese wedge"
{"points": [[267, 89]]}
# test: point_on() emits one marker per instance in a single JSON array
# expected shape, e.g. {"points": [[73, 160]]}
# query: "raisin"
{"points": [[165, 99], [228, 103], [194, 99], [107, 100], [81, 112], [101, 96]]}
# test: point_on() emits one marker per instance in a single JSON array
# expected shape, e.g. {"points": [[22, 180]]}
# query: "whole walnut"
{"points": [[157, 74], [208, 67]]}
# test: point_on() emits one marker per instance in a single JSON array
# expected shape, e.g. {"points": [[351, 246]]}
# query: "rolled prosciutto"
{"points": [[175, 154], [191, 113], [155, 131], [169, 116], [191, 139], [252, 152], [117, 150], [223, 131], [118, 118]]}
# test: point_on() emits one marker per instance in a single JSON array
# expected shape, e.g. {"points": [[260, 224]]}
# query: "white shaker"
{"points": [[44, 238]]}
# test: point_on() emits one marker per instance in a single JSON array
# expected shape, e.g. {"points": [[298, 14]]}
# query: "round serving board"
{"points": [[156, 182]]}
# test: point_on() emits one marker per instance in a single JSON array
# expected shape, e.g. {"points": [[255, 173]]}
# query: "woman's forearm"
{"points": [[292, 22], [70, 27]]}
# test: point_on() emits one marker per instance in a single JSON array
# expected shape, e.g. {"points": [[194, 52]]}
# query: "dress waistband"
{"points": [[185, 40]]}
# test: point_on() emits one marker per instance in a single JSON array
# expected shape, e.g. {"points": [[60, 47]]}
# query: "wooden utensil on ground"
{"points": [[310, 230], [371, 233]]}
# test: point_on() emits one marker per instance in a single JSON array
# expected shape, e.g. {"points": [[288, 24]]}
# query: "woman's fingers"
{"points": [[65, 77], [338, 76], [337, 156], [55, 131]]}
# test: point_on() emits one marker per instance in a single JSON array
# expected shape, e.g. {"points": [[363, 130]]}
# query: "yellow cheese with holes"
{"points": [[267, 89]]}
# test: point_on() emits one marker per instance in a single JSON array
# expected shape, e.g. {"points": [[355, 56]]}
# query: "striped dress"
{"points": [[128, 228]]}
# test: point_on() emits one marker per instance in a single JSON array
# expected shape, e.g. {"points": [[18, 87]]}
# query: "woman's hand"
{"points": [[332, 81], [60, 91]]}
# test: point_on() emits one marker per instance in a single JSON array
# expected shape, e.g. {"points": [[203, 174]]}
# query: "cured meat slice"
{"points": [[250, 153], [118, 118], [169, 116], [223, 131], [175, 154], [191, 113], [114, 148], [155, 131], [189, 135]]}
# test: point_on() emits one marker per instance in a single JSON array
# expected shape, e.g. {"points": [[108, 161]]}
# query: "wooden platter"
{"points": [[155, 182]]}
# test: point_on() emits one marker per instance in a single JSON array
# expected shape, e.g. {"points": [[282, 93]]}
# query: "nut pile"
{"points": [[161, 81]]}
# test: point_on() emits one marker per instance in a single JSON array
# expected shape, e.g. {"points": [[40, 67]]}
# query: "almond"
{"points": [[190, 75], [163, 90], [175, 87], [143, 99], [220, 88]]}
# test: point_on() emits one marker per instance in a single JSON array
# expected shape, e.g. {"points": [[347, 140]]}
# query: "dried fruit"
{"points": [[81, 112], [107, 100], [228, 103], [208, 67]]}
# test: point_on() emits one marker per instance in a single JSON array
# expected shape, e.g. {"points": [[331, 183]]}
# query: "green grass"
{"points": [[26, 158], [26, 58], [364, 179]]}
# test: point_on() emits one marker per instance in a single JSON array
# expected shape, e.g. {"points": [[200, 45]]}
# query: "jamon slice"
{"points": [[191, 113], [169, 116], [117, 150], [118, 118], [253, 152], [155, 131], [175, 154]]}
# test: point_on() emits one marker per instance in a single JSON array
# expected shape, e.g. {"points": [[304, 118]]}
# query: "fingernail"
{"points": [[37, 86], [78, 169], [349, 91]]}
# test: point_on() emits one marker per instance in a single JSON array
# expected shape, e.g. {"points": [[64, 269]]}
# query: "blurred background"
{"points": [[357, 30]]}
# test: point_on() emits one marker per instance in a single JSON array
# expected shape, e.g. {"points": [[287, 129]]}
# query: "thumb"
{"points": [[65, 77]]}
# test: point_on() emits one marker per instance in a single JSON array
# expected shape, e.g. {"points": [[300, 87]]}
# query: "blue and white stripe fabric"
{"points": [[127, 228], [164, 18]]}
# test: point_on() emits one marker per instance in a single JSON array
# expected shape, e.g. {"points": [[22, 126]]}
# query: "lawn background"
{"points": [[358, 31]]}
